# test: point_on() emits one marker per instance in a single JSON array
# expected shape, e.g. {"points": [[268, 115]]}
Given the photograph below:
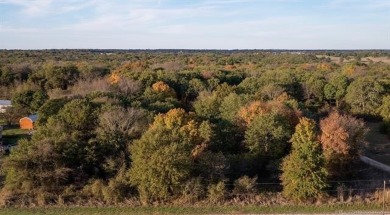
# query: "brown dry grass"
{"points": [[376, 59], [350, 59]]}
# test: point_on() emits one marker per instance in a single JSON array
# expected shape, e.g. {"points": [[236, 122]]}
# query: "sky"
{"points": [[195, 24]]}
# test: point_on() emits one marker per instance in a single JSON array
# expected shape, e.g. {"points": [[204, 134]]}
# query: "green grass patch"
{"points": [[14, 131], [12, 134], [336, 208]]}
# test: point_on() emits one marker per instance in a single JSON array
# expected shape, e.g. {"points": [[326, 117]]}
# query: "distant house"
{"points": [[28, 122], [4, 104]]}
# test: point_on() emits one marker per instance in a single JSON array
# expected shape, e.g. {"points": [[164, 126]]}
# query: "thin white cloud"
{"points": [[141, 18], [30, 7], [363, 4], [39, 8], [190, 24]]}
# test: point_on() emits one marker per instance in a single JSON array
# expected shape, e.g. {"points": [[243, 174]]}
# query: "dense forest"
{"points": [[186, 126]]}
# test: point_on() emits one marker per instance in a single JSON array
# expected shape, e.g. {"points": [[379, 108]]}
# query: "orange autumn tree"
{"points": [[349, 69], [114, 78], [126, 69], [160, 97], [342, 140], [253, 109], [162, 87], [279, 105], [326, 67]]}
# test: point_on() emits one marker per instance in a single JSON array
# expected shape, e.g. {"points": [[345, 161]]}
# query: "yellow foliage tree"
{"points": [[349, 69], [114, 78], [257, 108], [253, 109], [162, 87], [324, 67]]}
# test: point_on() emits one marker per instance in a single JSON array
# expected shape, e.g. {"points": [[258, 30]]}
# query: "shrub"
{"points": [[217, 192], [245, 185], [193, 190]]}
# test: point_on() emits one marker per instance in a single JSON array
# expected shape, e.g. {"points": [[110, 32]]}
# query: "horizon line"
{"points": [[189, 49]]}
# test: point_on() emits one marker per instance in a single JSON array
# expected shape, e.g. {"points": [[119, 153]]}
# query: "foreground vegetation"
{"points": [[182, 127], [248, 209]]}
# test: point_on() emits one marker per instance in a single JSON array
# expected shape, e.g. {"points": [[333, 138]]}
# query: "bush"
{"points": [[113, 191], [95, 190], [245, 185], [193, 191], [217, 192]]}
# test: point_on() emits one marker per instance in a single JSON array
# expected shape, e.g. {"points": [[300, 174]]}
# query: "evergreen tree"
{"points": [[304, 173]]}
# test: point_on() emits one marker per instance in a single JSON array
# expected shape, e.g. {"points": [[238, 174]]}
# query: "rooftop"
{"points": [[33, 117], [5, 102]]}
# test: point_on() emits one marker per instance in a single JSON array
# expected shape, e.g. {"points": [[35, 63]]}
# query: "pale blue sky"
{"points": [[195, 24]]}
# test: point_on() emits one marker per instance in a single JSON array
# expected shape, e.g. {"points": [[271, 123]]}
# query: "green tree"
{"points": [[160, 97], [385, 108], [35, 168], [60, 76], [23, 99], [162, 158], [250, 85], [207, 104], [6, 76], [385, 113], [50, 108], [364, 96], [314, 89], [230, 106], [304, 174], [267, 135], [194, 87], [336, 88], [38, 99], [71, 131], [29, 100]]}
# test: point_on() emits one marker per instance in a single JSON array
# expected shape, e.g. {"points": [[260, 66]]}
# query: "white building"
{"points": [[4, 104]]}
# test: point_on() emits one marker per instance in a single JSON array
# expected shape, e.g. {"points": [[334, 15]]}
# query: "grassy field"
{"points": [[12, 134], [350, 59], [337, 208]]}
